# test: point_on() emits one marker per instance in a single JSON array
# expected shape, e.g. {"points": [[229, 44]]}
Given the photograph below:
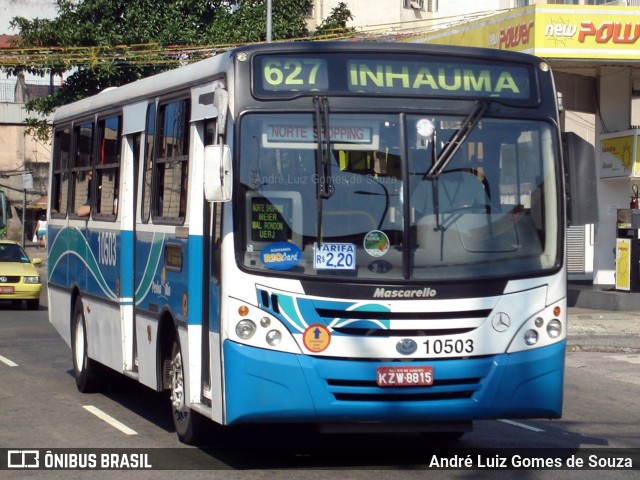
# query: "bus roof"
{"points": [[211, 68], [179, 78]]}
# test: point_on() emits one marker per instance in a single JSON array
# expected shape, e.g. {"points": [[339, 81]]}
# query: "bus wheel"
{"points": [[87, 371], [189, 424]]}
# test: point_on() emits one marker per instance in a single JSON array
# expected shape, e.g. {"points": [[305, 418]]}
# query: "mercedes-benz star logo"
{"points": [[501, 322]]}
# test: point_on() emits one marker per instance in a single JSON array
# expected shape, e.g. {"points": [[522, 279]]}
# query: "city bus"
{"points": [[357, 237]]}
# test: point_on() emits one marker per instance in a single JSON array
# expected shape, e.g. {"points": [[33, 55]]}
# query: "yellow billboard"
{"points": [[620, 154], [551, 31]]}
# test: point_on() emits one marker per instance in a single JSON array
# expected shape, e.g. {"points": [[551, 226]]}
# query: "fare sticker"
{"points": [[316, 338]]}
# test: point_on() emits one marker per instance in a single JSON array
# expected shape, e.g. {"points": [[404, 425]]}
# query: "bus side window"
{"points": [[108, 168], [82, 169], [147, 173], [216, 242], [172, 162], [60, 181]]}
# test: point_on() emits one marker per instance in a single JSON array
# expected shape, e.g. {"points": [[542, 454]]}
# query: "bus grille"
{"points": [[396, 332], [361, 314], [414, 324], [454, 379], [359, 391]]}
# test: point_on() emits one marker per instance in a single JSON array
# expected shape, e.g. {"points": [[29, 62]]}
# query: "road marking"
{"points": [[521, 425], [7, 362], [110, 420], [626, 358]]}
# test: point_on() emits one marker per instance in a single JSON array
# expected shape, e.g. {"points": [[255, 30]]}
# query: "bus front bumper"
{"points": [[263, 386]]}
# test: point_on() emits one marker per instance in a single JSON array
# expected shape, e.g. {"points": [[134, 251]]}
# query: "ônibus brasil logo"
{"points": [[426, 292]]}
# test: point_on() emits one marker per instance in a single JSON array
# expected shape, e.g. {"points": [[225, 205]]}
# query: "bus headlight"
{"points": [[530, 337], [245, 329], [273, 337], [265, 322], [554, 328]]}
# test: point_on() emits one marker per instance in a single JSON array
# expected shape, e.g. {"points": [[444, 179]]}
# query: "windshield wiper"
{"points": [[323, 164], [324, 187], [456, 140]]}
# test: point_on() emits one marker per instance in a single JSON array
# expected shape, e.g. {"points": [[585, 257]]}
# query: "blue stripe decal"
{"points": [[126, 267], [195, 279], [71, 247], [151, 267]]}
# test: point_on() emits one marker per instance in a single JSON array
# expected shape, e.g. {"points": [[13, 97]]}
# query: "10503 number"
{"points": [[448, 346]]}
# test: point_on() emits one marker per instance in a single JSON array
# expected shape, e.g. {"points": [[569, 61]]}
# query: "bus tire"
{"points": [[89, 377], [188, 424]]}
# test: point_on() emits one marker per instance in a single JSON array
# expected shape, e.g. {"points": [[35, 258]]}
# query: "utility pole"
{"points": [[268, 21]]}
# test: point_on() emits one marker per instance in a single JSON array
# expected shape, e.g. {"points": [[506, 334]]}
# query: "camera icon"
{"points": [[23, 459]]}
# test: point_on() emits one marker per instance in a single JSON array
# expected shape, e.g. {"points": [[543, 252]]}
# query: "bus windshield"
{"points": [[392, 197]]}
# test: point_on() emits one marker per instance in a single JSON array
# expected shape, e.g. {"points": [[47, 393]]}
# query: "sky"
{"points": [[24, 8]]}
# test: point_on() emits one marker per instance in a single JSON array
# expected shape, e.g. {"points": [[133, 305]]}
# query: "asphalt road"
{"points": [[42, 409]]}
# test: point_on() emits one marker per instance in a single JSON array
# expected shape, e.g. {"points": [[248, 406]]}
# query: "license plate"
{"points": [[404, 376], [6, 289]]}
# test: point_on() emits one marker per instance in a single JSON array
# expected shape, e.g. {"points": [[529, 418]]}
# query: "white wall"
{"points": [[372, 14]]}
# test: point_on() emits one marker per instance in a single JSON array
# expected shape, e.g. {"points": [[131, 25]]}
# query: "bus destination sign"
{"points": [[411, 75], [268, 219]]}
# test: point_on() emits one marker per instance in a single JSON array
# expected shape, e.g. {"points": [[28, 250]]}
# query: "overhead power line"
{"points": [[155, 54], [143, 54]]}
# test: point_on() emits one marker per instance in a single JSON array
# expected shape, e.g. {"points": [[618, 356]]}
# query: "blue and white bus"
{"points": [[360, 235]]}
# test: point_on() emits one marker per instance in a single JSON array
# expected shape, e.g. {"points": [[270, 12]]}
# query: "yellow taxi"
{"points": [[19, 278]]}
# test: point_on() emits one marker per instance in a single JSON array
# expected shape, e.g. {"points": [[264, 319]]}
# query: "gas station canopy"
{"points": [[575, 40]]}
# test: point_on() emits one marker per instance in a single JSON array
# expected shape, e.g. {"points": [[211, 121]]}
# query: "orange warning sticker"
{"points": [[316, 338]]}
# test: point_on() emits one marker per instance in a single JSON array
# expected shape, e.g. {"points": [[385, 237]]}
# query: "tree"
{"points": [[105, 43], [336, 23]]}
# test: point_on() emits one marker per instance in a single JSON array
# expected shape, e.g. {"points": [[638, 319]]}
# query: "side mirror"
{"points": [[217, 173], [581, 180]]}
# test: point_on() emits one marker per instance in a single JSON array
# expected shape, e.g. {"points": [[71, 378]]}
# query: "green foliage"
{"points": [[39, 129], [336, 23], [106, 43], [247, 23]]}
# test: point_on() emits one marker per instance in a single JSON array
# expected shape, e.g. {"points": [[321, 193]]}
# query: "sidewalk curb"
{"points": [[571, 347]]}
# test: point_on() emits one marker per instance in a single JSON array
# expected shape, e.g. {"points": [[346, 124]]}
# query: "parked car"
{"points": [[19, 278]]}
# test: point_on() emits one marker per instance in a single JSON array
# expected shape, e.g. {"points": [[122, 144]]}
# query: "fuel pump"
{"points": [[628, 247]]}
